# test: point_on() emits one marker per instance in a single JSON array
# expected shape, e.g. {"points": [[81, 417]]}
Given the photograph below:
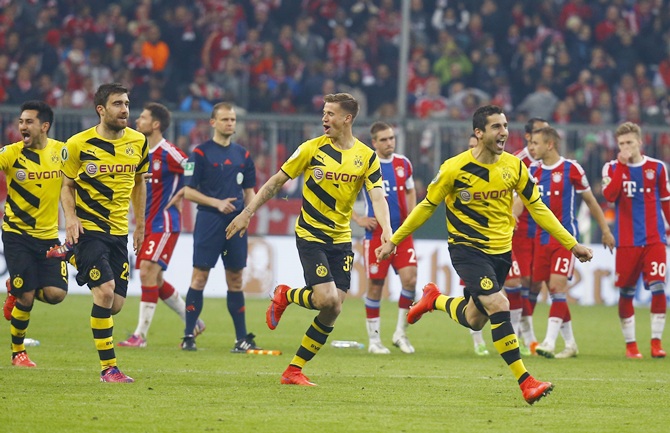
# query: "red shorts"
{"points": [[552, 259], [650, 261], [157, 248], [404, 256], [523, 249], [515, 269]]}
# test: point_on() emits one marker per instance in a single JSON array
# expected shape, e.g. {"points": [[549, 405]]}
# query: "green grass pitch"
{"points": [[443, 387]]}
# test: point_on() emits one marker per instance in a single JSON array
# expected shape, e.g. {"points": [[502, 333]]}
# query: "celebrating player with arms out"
{"points": [[638, 186], [336, 166], [477, 187], [30, 225]]}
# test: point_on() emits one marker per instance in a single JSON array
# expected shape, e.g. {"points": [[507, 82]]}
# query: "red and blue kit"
{"points": [[641, 195], [558, 185], [397, 175]]}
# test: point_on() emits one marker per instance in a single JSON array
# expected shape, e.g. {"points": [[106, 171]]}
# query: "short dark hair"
{"points": [[159, 112], [378, 126], [346, 101], [482, 113], [220, 105], [105, 90], [530, 124], [44, 111], [549, 134]]}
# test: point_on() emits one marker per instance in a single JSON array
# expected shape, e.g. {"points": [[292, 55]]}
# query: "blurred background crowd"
{"points": [[570, 61]]}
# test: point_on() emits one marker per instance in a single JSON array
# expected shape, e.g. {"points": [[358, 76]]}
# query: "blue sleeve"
{"points": [[249, 172], [196, 163]]}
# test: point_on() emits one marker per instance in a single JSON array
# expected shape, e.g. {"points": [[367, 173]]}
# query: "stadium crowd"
{"points": [[597, 62]]}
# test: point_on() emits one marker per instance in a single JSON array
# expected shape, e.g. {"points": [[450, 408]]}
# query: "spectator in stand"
{"points": [[260, 97], [541, 103], [361, 11], [574, 8], [204, 89], [308, 45], [451, 55], [264, 64], [419, 76], [626, 95], [156, 49], [142, 22], [606, 28], [432, 104], [384, 89], [185, 41], [22, 89], [340, 49], [353, 85], [651, 113], [96, 70], [218, 45], [281, 84]]}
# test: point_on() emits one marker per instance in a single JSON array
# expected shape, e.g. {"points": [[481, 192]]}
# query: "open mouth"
{"points": [[26, 136], [500, 144], [326, 128]]}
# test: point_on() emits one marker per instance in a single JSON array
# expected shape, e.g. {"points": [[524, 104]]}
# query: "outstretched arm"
{"points": [[267, 191], [415, 219]]}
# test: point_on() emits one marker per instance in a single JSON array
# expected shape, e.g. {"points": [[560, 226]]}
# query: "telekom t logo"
{"points": [[629, 187]]}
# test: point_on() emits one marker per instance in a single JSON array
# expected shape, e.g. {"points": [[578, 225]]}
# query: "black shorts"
{"points": [[100, 258], [482, 273], [27, 265], [322, 263]]}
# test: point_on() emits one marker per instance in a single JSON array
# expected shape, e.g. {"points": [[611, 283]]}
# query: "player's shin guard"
{"points": [[301, 296], [18, 326], [102, 326], [454, 307], [507, 344], [312, 342]]}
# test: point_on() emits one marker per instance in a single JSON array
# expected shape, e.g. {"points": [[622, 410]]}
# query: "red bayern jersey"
{"points": [[166, 179], [559, 185], [397, 175], [637, 191], [526, 226]]}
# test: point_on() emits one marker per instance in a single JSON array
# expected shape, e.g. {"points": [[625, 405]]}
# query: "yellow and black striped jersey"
{"points": [[104, 172], [333, 179], [479, 202], [33, 188]]}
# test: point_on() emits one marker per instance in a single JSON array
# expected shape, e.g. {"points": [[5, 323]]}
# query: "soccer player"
{"points": [[103, 173], [559, 180], [163, 222], [30, 225], [221, 177], [638, 186], [401, 197], [336, 167], [477, 187], [523, 242]]}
